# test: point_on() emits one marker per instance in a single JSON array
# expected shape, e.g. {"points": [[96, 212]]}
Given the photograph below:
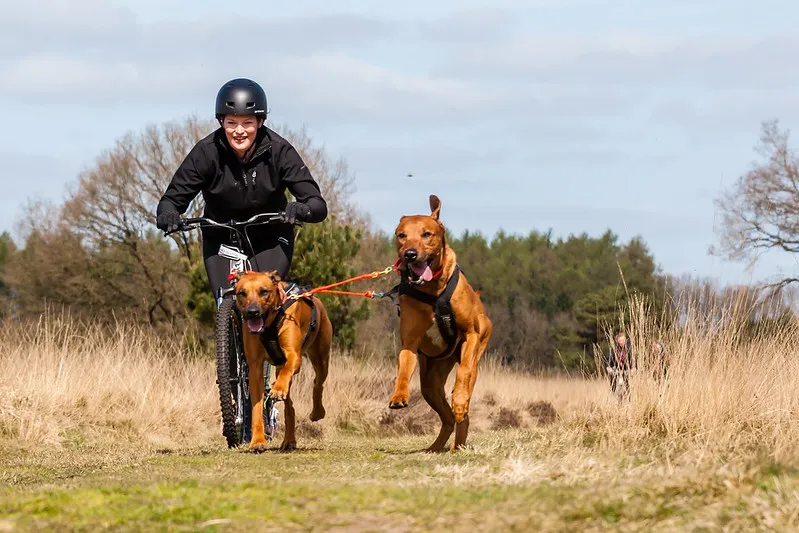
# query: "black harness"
{"points": [[442, 307], [269, 338]]}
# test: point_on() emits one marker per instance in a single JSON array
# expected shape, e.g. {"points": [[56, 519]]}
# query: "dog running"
{"points": [[279, 329], [442, 320]]}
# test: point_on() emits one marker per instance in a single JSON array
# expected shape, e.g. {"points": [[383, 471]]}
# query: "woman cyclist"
{"points": [[242, 169]]}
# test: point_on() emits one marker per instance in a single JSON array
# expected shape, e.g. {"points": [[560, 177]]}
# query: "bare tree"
{"points": [[115, 199], [711, 305], [111, 209], [761, 212]]}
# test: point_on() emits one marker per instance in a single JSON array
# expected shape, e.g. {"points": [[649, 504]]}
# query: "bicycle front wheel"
{"points": [[229, 350]]}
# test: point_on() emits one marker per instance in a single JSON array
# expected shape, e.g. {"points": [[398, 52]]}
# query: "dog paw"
{"points": [[436, 449], [398, 401], [258, 447], [317, 414], [278, 393], [288, 446], [460, 410]]}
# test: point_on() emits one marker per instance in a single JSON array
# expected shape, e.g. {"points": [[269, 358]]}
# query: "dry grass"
{"points": [[725, 398], [62, 382]]}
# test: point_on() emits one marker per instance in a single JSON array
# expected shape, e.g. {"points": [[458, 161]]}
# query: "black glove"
{"points": [[168, 221], [296, 212]]}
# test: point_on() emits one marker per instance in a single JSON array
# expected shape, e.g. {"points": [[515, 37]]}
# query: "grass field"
{"points": [[119, 431], [509, 481]]}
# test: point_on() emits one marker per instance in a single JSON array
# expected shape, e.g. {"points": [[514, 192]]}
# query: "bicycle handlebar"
{"points": [[192, 223]]}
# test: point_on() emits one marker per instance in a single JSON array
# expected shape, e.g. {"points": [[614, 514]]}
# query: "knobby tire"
{"points": [[227, 332]]}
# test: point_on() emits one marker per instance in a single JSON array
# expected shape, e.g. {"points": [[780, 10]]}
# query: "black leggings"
{"points": [[273, 250]]}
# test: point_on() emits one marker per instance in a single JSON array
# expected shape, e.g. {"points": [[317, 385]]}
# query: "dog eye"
{"points": [[401, 235], [242, 293], [263, 292], [427, 234]]}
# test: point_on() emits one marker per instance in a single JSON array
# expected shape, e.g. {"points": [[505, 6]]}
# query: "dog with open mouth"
{"points": [[295, 327], [442, 321]]}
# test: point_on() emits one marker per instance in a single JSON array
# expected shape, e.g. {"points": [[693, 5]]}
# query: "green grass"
{"points": [[507, 481]]}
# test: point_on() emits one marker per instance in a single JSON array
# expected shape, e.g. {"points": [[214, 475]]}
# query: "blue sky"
{"points": [[575, 115]]}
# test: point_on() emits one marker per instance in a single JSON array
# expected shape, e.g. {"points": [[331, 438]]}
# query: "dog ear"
{"points": [[435, 206], [274, 276]]}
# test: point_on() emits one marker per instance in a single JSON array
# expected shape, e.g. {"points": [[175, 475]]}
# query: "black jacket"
{"points": [[235, 189]]}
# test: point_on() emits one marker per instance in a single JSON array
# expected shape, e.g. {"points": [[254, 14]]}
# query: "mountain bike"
{"points": [[232, 373]]}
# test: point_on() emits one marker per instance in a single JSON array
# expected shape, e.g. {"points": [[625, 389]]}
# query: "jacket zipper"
{"points": [[249, 184]]}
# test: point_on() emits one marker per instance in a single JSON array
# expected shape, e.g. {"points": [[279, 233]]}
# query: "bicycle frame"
{"points": [[239, 262]]}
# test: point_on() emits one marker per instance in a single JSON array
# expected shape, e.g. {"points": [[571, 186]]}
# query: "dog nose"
{"points": [[252, 311], [411, 254]]}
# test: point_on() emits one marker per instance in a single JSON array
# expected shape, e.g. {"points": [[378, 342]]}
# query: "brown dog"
{"points": [[260, 297], [457, 332]]}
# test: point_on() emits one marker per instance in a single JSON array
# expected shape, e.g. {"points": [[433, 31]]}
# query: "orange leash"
{"points": [[367, 294]]}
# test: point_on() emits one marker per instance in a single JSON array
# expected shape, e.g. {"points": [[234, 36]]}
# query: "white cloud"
{"points": [[468, 26], [52, 75], [97, 28], [37, 26], [328, 85], [628, 59]]}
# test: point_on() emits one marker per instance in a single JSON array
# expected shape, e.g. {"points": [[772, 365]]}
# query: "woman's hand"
{"points": [[168, 221], [297, 211]]}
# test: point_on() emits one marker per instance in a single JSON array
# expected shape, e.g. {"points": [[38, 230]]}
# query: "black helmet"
{"points": [[241, 97]]}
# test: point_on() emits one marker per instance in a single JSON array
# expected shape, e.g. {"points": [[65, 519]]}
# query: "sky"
{"points": [[571, 115]]}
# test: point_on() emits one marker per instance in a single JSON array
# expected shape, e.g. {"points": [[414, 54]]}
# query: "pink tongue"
{"points": [[423, 271], [255, 325]]}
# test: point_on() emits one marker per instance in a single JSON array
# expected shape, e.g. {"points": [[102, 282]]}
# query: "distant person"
{"points": [[271, 427], [619, 363]]}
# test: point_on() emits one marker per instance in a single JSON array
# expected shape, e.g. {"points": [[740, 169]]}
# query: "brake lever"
{"points": [[282, 218], [181, 227]]}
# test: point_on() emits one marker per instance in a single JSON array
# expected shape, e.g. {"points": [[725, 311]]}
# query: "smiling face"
{"points": [[241, 131], [257, 294], [420, 244]]}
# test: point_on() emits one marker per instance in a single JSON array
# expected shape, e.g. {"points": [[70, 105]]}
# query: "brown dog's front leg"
{"points": [[412, 329], [258, 442], [465, 376], [407, 365], [289, 438], [280, 388]]}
